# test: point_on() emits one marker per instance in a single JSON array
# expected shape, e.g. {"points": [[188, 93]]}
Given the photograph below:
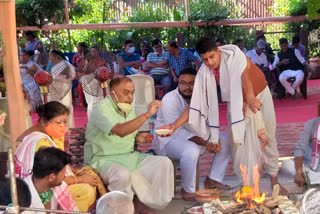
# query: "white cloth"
{"points": [[270, 152], [92, 101], [248, 154], [204, 114], [288, 167], [179, 147], [296, 52], [152, 181], [35, 199], [298, 74], [67, 101], [258, 59]]}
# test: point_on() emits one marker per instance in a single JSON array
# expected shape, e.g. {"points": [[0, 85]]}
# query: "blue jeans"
{"points": [[164, 80]]}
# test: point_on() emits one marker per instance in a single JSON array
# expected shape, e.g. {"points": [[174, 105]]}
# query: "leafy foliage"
{"points": [[39, 12]]}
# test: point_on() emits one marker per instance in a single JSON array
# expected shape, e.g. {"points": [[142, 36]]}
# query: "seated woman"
{"points": [[61, 87], [50, 131]]}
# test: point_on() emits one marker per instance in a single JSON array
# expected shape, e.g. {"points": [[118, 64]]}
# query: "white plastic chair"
{"points": [[143, 96]]}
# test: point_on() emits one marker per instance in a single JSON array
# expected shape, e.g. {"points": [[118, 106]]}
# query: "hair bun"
{"points": [[41, 110]]}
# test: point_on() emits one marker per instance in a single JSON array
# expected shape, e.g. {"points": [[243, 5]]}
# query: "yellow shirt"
{"points": [[46, 143]]}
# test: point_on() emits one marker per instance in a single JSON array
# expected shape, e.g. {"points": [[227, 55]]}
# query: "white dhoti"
{"points": [[298, 74], [67, 102], [152, 181], [92, 101], [270, 151], [189, 152]]}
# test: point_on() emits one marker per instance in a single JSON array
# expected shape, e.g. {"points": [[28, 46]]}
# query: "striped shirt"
{"points": [[185, 60], [152, 57]]}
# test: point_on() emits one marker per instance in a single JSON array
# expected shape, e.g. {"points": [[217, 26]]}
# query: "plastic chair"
{"points": [[143, 96]]}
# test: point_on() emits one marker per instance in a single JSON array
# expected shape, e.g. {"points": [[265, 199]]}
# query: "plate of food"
{"points": [[162, 131], [196, 210]]}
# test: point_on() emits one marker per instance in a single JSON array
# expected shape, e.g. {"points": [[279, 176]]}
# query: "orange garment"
{"points": [[257, 78]]}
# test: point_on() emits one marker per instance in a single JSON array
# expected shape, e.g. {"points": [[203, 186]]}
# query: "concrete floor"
{"points": [[179, 206]]}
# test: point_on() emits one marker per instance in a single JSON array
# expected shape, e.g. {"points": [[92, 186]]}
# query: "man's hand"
{"points": [[144, 137], [136, 65], [169, 127], [299, 178], [214, 148], [254, 104], [153, 107]]}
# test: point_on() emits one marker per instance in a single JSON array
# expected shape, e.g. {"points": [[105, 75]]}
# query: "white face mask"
{"points": [[125, 107], [131, 50]]}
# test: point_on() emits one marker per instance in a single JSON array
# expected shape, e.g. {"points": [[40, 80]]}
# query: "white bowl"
{"points": [[162, 131]]}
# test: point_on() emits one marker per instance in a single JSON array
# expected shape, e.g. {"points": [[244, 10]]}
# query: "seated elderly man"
{"points": [[184, 144], [111, 135], [306, 155], [291, 64], [259, 58]]}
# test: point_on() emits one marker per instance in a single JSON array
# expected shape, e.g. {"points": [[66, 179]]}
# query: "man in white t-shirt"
{"points": [[260, 59]]}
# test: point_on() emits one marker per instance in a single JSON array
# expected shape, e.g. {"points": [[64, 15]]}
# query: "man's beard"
{"points": [[186, 97]]}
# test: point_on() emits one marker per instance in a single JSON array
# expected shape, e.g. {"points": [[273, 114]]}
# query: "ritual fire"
{"points": [[247, 194]]}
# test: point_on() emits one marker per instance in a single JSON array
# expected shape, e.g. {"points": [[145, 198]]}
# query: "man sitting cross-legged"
{"points": [[184, 144], [49, 170], [111, 134]]}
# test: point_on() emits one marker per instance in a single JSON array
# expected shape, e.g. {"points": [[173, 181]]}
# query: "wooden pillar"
{"points": [[304, 35], [180, 40], [11, 69], [66, 12]]}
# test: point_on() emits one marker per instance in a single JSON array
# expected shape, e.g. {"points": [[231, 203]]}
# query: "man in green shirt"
{"points": [[111, 135]]}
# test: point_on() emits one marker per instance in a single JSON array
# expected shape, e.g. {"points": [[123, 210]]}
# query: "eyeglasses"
{"points": [[64, 122], [184, 84]]}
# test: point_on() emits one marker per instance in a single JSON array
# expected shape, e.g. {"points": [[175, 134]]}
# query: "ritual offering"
{"points": [[195, 210], [207, 195], [162, 131]]}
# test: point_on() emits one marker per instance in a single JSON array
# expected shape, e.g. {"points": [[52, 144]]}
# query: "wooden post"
{"points": [[187, 9], [17, 115], [304, 35], [66, 12], [180, 40]]}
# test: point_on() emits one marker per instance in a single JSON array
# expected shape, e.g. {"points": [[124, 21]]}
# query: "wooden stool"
{"points": [[177, 178]]}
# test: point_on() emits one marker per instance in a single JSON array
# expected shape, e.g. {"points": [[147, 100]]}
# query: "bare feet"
{"points": [[209, 183], [274, 180], [140, 208], [188, 196]]}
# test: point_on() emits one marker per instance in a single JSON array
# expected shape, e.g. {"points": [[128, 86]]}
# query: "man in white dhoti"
{"points": [[306, 155], [241, 82], [49, 169], [291, 64], [111, 135], [184, 144]]}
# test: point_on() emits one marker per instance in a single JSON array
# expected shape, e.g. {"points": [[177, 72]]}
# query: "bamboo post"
{"points": [[17, 115], [66, 12]]}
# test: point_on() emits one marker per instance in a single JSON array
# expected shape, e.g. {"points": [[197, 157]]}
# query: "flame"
{"points": [[247, 193]]}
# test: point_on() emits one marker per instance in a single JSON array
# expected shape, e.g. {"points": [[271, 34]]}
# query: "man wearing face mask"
{"points": [[157, 63], [185, 145], [128, 58], [111, 134]]}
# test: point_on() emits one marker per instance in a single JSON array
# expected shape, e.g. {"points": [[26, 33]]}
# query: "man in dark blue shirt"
{"points": [[128, 58]]}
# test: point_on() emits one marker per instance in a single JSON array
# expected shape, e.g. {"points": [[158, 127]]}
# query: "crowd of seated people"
{"points": [[111, 161]]}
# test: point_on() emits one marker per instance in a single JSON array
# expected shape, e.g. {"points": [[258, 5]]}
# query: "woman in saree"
{"points": [[61, 87], [79, 189]]}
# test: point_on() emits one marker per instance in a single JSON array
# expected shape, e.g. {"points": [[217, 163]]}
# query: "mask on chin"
{"points": [[125, 107]]}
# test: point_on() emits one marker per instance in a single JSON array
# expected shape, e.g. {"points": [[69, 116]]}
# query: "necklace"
{"points": [[46, 196]]}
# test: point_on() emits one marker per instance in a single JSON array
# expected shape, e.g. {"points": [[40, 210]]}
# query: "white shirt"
{"points": [[173, 105], [258, 59], [296, 52]]}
